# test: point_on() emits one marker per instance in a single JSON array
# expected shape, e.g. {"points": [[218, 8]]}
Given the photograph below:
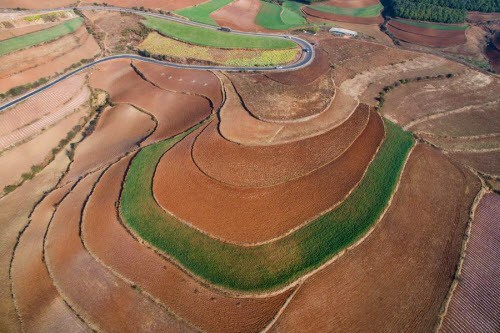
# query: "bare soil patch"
{"points": [[486, 162], [118, 131], [360, 290], [105, 237], [249, 215], [101, 298], [174, 112], [262, 166], [427, 37], [473, 306], [239, 15]]}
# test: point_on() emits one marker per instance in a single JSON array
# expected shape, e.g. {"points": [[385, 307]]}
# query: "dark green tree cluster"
{"points": [[446, 11]]}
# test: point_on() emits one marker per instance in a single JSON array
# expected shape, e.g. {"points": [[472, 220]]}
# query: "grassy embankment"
{"points": [[430, 25], [370, 11], [274, 17], [201, 13], [42, 36], [274, 264]]}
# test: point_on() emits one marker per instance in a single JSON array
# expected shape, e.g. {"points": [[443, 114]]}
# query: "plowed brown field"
{"points": [[342, 18], [239, 15], [239, 126], [485, 162], [427, 37], [46, 60], [175, 112], [246, 215], [211, 311], [39, 305], [261, 166], [203, 83], [474, 306], [420, 242], [100, 297], [118, 131]]}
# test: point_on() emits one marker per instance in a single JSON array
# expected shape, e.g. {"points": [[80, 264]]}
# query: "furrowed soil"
{"points": [[106, 238], [426, 37], [342, 18], [485, 162], [246, 215], [118, 131], [39, 305], [39, 66], [239, 15], [100, 297], [174, 112], [473, 305], [361, 293], [262, 166]]}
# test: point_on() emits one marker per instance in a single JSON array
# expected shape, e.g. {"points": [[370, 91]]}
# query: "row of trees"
{"points": [[446, 11]]}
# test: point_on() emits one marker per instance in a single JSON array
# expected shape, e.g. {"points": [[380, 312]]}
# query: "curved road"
{"points": [[305, 59]]}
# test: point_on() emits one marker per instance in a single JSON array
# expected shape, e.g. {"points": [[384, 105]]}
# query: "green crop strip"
{"points": [[214, 38], [35, 38], [271, 265], [435, 26], [274, 17], [370, 11], [201, 13]]}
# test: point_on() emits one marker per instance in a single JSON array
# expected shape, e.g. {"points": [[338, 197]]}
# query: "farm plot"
{"points": [[183, 110], [30, 4], [239, 15], [102, 299], [167, 5], [342, 12], [201, 12], [179, 51], [263, 166], [26, 66], [274, 17], [427, 34], [34, 38], [272, 264], [361, 293], [473, 305], [106, 238]]}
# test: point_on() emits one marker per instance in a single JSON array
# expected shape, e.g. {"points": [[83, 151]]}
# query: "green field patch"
{"points": [[214, 38], [271, 265], [431, 25], [371, 11], [275, 17], [201, 13], [35, 38]]}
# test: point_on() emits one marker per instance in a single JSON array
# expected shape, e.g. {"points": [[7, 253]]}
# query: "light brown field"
{"points": [[239, 15]]}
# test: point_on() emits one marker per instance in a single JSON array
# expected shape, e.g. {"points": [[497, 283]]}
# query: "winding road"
{"points": [[306, 58]]}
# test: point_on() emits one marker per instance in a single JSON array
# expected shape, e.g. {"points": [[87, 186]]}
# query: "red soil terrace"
{"points": [[427, 37], [239, 15]]}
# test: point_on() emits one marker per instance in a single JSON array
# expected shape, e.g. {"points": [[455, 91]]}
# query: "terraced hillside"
{"points": [[141, 197]]}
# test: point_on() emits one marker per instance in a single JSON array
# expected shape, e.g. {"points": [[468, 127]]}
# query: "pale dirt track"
{"points": [[245, 215], [107, 238], [420, 242]]}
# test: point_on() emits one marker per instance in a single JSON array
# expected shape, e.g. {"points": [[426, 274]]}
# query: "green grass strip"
{"points": [[201, 13], [42, 36], [435, 26], [270, 16], [371, 11], [274, 264], [214, 38]]}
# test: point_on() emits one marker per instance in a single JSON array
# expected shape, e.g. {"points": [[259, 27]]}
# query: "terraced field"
{"points": [[367, 12], [147, 198]]}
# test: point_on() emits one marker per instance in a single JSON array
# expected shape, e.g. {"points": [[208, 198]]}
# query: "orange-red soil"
{"points": [[175, 112], [38, 303], [119, 130], [169, 5], [104, 300], [485, 162], [188, 81], [39, 4], [342, 18], [211, 311], [397, 279], [251, 215], [426, 37], [262, 166], [474, 306], [239, 15]]}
